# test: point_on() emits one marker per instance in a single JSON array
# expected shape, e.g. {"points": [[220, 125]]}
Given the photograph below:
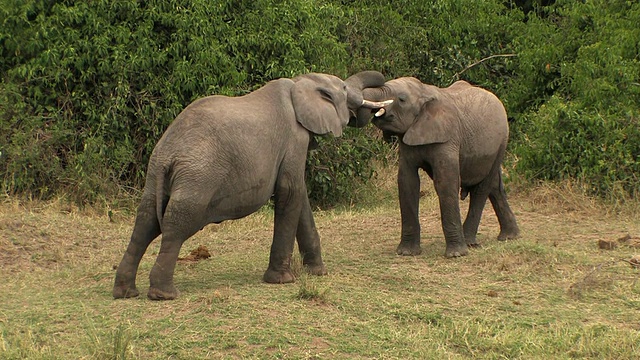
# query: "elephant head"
{"points": [[325, 104], [418, 114], [320, 103]]}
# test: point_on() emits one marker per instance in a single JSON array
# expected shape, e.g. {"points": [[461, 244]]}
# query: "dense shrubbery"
{"points": [[91, 86], [430, 40], [578, 96], [88, 87], [337, 170]]}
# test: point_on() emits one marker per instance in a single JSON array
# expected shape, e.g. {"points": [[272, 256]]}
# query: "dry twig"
{"points": [[457, 75]]}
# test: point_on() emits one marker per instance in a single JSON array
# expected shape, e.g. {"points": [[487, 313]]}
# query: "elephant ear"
{"points": [[320, 103], [434, 124]]}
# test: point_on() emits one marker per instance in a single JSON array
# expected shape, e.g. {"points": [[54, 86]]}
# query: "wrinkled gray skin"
{"points": [[223, 158], [458, 135]]}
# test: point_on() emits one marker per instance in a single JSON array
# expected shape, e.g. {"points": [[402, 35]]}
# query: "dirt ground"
{"points": [[569, 284], [47, 235]]}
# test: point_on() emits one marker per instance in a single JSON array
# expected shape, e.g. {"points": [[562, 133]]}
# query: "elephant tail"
{"points": [[162, 195]]}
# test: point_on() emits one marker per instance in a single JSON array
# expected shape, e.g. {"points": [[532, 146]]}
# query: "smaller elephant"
{"points": [[458, 135], [224, 157]]}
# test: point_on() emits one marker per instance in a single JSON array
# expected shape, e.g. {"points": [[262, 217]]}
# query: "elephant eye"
{"points": [[325, 94], [402, 98]]}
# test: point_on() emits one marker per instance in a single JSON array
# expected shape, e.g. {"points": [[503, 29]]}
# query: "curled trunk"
{"points": [[356, 84], [363, 114]]}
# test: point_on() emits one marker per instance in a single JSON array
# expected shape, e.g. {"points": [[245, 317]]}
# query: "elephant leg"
{"points": [[409, 196], [446, 180], [288, 204], [309, 241], [161, 285], [507, 220], [182, 219], [145, 230], [477, 201]]}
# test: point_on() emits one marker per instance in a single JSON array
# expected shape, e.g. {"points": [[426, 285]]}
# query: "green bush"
{"points": [[341, 167], [565, 141], [577, 101], [88, 87], [432, 40]]}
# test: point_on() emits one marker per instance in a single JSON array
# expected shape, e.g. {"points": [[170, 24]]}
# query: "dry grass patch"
{"points": [[550, 294]]}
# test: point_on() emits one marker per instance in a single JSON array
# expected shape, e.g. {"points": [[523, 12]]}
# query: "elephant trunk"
{"points": [[363, 114], [360, 81], [356, 84]]}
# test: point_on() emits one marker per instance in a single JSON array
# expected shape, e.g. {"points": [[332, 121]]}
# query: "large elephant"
{"points": [[458, 135], [224, 157]]}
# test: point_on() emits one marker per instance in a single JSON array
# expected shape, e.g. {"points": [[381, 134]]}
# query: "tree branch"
{"points": [[457, 75]]}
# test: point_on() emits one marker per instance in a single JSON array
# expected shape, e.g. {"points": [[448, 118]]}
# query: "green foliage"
{"points": [[340, 167], [431, 40], [88, 88], [578, 99], [563, 140]]}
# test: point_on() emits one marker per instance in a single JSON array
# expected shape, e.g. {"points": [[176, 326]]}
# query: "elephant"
{"points": [[458, 135], [224, 157]]}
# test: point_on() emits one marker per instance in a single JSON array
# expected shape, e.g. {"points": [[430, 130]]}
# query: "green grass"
{"points": [[550, 294]]}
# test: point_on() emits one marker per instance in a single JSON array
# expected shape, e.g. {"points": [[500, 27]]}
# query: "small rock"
{"points": [[607, 245], [635, 261], [624, 239], [630, 241]]}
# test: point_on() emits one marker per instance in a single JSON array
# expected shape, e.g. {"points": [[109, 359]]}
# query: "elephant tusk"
{"points": [[376, 104], [379, 113]]}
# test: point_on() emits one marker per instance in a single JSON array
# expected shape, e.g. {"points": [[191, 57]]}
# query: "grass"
{"points": [[550, 294]]}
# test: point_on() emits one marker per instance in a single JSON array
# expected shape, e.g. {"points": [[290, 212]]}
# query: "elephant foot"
{"points": [[278, 277], [155, 293], [318, 270], [125, 292], [409, 249], [472, 242], [509, 234], [456, 250]]}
